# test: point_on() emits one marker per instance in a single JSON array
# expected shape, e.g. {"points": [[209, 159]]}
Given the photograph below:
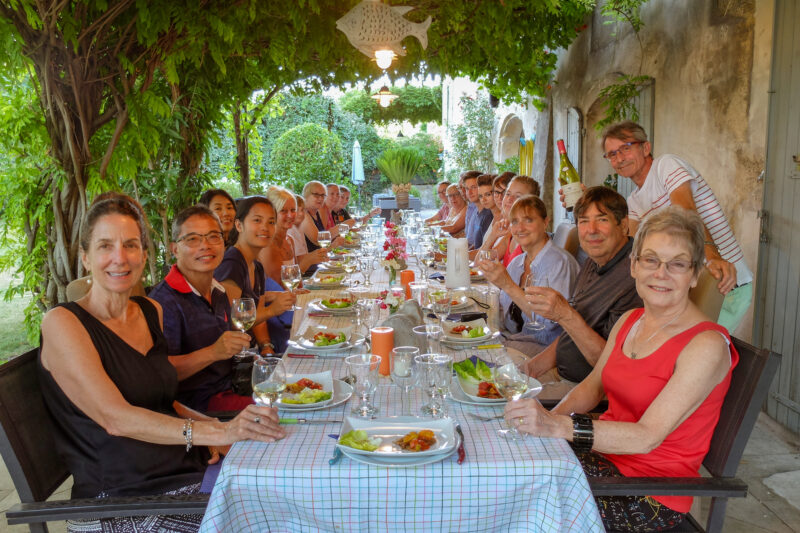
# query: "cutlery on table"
{"points": [[307, 421], [302, 355], [462, 453], [484, 418]]}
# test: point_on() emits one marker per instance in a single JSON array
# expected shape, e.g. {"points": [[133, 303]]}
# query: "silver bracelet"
{"points": [[187, 433]]}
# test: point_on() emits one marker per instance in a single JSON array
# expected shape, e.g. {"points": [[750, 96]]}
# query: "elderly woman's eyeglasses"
{"points": [[454, 195], [624, 149], [674, 266], [193, 240], [319, 194]]}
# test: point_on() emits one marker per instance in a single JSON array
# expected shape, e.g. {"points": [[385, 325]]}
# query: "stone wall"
{"points": [[711, 61]]}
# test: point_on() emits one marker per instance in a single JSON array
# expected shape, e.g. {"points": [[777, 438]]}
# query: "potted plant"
{"points": [[400, 165]]}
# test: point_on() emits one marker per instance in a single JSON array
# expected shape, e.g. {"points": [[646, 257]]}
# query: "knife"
{"points": [[337, 454], [307, 421], [462, 453]]}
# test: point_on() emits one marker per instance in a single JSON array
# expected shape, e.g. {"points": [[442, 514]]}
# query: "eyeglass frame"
{"points": [[497, 192], [623, 149], [689, 264], [205, 237], [319, 194]]}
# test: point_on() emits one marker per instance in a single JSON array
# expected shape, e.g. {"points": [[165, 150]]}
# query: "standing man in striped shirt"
{"points": [[669, 180]]}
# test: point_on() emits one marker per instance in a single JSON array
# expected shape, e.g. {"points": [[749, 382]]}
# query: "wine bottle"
{"points": [[568, 178]]}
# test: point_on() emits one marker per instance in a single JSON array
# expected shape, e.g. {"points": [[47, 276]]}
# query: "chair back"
{"points": [[750, 383], [26, 435], [706, 296], [566, 237]]}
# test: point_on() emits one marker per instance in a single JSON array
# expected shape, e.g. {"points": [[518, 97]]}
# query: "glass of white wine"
{"points": [[243, 316], [324, 240], [269, 380], [485, 255], [512, 382], [343, 230], [291, 277], [349, 264]]}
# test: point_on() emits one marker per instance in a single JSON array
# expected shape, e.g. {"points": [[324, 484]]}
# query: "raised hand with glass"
{"points": [[243, 316], [537, 323], [291, 278]]}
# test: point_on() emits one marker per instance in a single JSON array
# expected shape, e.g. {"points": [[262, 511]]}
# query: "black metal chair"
{"points": [[27, 447], [750, 383]]}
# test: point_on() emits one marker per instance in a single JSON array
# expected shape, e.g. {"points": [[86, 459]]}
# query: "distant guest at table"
{"points": [[243, 275], [477, 219], [281, 249], [223, 204], [540, 258], [665, 370], [196, 314], [486, 198], [454, 225], [342, 215], [497, 236], [107, 380], [518, 187], [315, 193], [441, 215]]}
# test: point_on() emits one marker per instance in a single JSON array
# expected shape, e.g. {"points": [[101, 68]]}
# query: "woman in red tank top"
{"points": [[665, 370]]}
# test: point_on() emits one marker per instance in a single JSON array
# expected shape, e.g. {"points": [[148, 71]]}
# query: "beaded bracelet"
{"points": [[187, 433]]}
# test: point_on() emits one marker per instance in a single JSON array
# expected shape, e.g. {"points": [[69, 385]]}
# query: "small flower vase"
{"points": [[392, 276]]}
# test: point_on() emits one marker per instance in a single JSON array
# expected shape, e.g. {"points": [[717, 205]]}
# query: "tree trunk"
{"points": [[242, 149]]}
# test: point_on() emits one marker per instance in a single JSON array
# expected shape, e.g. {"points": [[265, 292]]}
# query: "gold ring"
{"points": [[520, 421]]}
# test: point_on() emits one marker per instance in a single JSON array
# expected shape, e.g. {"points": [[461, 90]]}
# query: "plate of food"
{"points": [[467, 332], [307, 390], [460, 301], [333, 265], [341, 393], [399, 461], [323, 339], [326, 280], [397, 436], [336, 306], [476, 383], [475, 275], [351, 241], [339, 251]]}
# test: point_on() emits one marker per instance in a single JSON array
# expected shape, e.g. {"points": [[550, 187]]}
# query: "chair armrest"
{"points": [[727, 487], [88, 508]]}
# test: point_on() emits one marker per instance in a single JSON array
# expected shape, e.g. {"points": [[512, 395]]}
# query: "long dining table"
{"points": [[535, 484]]}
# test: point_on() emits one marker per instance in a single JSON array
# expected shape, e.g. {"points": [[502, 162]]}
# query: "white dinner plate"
{"points": [[456, 338], [463, 302], [389, 429], [470, 390], [398, 461], [323, 378], [318, 305], [337, 280], [341, 393], [306, 341], [334, 267]]}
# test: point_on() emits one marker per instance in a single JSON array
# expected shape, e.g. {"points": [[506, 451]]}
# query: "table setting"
{"points": [[396, 436]]}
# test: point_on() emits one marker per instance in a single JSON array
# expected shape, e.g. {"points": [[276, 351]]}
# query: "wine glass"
{"points": [[426, 374], [291, 277], [366, 261], [537, 323], [485, 255], [269, 380], [440, 300], [401, 363], [243, 316], [511, 382], [324, 240], [426, 257], [349, 265], [418, 289], [363, 369]]}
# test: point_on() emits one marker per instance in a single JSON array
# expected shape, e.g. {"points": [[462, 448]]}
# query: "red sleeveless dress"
{"points": [[631, 386]]}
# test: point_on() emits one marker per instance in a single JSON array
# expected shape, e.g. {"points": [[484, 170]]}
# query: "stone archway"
{"points": [[508, 138]]}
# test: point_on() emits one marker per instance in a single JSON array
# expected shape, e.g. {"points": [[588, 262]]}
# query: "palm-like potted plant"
{"points": [[400, 165]]}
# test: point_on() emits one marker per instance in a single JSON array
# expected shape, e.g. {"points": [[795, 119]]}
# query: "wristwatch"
{"points": [[582, 432]]}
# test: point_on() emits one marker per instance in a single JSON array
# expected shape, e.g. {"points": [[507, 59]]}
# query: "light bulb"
{"points": [[384, 58], [384, 101]]}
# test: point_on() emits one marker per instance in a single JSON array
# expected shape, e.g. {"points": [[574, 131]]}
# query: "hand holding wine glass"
{"points": [[485, 255], [324, 239], [243, 316], [535, 280], [291, 278]]}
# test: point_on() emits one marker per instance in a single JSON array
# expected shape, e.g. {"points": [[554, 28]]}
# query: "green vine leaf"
{"points": [[618, 100]]}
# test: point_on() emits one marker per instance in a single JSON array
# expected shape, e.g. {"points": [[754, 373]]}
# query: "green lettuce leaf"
{"points": [[359, 440], [466, 371], [483, 371], [307, 396]]}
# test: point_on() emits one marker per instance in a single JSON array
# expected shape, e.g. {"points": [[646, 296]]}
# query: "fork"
{"points": [[485, 418]]}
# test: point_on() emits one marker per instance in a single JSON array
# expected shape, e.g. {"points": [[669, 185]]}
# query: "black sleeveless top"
{"points": [[120, 466]]}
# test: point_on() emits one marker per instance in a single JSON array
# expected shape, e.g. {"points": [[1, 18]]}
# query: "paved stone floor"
{"points": [[771, 450]]}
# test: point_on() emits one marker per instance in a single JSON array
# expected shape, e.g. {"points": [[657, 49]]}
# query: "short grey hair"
{"points": [[679, 223], [625, 131], [307, 187]]}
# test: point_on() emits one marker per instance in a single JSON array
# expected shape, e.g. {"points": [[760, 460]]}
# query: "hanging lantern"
{"points": [[384, 97], [376, 29]]}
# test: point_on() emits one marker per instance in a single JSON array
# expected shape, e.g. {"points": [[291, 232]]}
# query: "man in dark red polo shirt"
{"points": [[196, 314]]}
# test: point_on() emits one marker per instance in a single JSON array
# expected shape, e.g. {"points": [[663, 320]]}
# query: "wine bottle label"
{"points": [[572, 192]]}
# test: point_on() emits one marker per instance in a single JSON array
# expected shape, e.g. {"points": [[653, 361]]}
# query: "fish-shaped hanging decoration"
{"points": [[373, 25]]}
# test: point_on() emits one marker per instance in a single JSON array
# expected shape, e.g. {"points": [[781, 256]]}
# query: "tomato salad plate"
{"points": [[476, 387], [333, 305], [307, 390], [398, 441], [467, 332], [324, 339]]}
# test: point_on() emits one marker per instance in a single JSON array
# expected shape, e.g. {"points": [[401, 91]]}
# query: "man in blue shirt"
{"points": [[196, 314], [469, 188]]}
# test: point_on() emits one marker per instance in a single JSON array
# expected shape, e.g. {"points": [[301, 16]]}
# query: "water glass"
{"points": [[440, 300], [512, 382], [402, 375], [537, 324], [427, 375], [363, 369], [431, 336], [269, 380], [418, 289]]}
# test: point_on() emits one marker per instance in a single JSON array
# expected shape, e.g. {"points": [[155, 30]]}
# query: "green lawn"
{"points": [[12, 323]]}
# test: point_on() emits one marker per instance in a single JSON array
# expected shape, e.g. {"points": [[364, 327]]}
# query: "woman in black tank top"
{"points": [[110, 387]]}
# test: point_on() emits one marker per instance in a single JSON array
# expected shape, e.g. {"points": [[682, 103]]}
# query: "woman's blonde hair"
{"points": [[278, 196], [678, 223]]}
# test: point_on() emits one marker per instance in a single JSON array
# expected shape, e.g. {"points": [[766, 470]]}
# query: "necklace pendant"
{"points": [[634, 355]]}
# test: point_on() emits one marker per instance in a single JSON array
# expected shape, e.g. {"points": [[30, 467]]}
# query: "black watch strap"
{"points": [[582, 432]]}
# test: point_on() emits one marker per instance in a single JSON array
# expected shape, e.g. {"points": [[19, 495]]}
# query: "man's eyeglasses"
{"points": [[624, 149], [319, 195], [498, 192], [675, 266], [193, 240]]}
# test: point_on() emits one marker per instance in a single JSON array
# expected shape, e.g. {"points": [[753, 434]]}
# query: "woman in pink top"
{"points": [[665, 369]]}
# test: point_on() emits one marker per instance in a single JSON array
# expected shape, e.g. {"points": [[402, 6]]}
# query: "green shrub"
{"points": [[307, 152]]}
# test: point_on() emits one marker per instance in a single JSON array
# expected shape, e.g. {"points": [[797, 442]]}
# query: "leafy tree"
{"points": [[307, 152], [417, 105], [472, 140]]}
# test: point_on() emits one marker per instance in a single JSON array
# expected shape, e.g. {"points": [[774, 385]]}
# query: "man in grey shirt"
{"points": [[604, 291]]}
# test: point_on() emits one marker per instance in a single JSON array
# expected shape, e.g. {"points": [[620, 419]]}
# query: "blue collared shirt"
{"points": [[562, 271], [476, 230], [192, 323]]}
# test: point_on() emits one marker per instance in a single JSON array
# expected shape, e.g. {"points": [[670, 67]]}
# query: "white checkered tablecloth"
{"points": [[288, 486]]}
